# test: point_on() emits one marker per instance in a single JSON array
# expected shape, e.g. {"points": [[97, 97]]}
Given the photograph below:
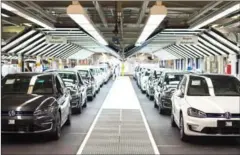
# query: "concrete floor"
{"points": [[166, 137]]}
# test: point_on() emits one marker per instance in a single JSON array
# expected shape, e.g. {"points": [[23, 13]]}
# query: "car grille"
{"points": [[18, 113], [221, 115], [225, 130]]}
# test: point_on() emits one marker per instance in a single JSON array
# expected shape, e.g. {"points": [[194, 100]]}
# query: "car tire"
{"points": [[85, 104], [173, 123], [90, 98], [68, 122], [151, 98], [56, 134], [183, 136]]}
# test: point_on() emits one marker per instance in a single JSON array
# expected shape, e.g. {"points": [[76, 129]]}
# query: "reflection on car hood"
{"points": [[23, 102], [215, 104]]}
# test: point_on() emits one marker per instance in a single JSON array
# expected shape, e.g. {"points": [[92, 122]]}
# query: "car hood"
{"points": [[215, 104], [22, 102]]}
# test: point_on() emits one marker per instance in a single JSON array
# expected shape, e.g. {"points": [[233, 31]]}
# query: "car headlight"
{"points": [[44, 112], [196, 113]]}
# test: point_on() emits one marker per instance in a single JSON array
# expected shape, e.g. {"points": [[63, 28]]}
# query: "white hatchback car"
{"points": [[207, 105]]}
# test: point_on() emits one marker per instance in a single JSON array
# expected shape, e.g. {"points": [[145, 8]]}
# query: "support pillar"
{"points": [[20, 63], [39, 67], [60, 66]]}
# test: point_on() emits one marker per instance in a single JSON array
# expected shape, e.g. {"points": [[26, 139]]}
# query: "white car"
{"points": [[207, 105], [144, 80]]}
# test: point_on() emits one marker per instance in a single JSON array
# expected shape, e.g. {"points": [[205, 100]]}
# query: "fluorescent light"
{"points": [[236, 16], [24, 15], [31, 46], [218, 44], [24, 44], [215, 25], [27, 24], [77, 13], [157, 14], [217, 16], [4, 15], [17, 40]]}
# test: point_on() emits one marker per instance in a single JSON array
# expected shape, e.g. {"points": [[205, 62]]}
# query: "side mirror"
{"points": [[179, 93]]}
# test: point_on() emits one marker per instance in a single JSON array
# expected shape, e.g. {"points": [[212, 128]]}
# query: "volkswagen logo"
{"points": [[228, 115], [12, 113]]}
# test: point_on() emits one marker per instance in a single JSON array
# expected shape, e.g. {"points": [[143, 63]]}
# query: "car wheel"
{"points": [[85, 104], [56, 134], [173, 123], [183, 136], [90, 98], [151, 98], [68, 122]]}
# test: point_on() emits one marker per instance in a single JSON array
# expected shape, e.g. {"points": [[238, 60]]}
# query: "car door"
{"points": [[179, 101], [63, 99]]}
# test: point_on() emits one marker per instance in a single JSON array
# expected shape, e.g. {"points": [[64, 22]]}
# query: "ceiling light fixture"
{"points": [[78, 14], [22, 13], [217, 16], [4, 15], [157, 13], [27, 24]]}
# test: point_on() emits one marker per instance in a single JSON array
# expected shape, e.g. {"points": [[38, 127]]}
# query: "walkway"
{"points": [[120, 126]]}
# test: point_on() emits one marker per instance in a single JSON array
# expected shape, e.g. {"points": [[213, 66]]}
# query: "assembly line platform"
{"points": [[120, 126]]}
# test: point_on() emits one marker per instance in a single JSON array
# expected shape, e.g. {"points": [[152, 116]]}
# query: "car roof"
{"points": [[30, 74]]}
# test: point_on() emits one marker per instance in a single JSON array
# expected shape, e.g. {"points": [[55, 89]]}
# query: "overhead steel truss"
{"points": [[32, 42]]}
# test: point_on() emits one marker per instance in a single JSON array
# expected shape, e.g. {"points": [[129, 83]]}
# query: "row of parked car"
{"points": [[200, 104], [44, 102]]}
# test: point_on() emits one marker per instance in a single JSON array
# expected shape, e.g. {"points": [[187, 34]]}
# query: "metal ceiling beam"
{"points": [[204, 10], [142, 13], [220, 10], [38, 9], [100, 12]]}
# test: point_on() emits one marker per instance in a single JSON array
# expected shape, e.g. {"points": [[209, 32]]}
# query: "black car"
{"points": [[90, 82], [35, 103], [167, 85], [78, 90]]}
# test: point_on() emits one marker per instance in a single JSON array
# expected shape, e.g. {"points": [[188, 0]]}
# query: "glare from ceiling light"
{"points": [[157, 14], [217, 16], [19, 13], [215, 25], [27, 24], [77, 13], [236, 16], [4, 15]]}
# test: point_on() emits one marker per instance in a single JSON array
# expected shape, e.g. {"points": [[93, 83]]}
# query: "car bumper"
{"points": [[166, 103], [212, 126], [26, 124]]}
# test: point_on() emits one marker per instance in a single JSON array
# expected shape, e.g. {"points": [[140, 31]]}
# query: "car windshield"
{"points": [[27, 84], [225, 85], [68, 77], [197, 87], [83, 73], [172, 78]]}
